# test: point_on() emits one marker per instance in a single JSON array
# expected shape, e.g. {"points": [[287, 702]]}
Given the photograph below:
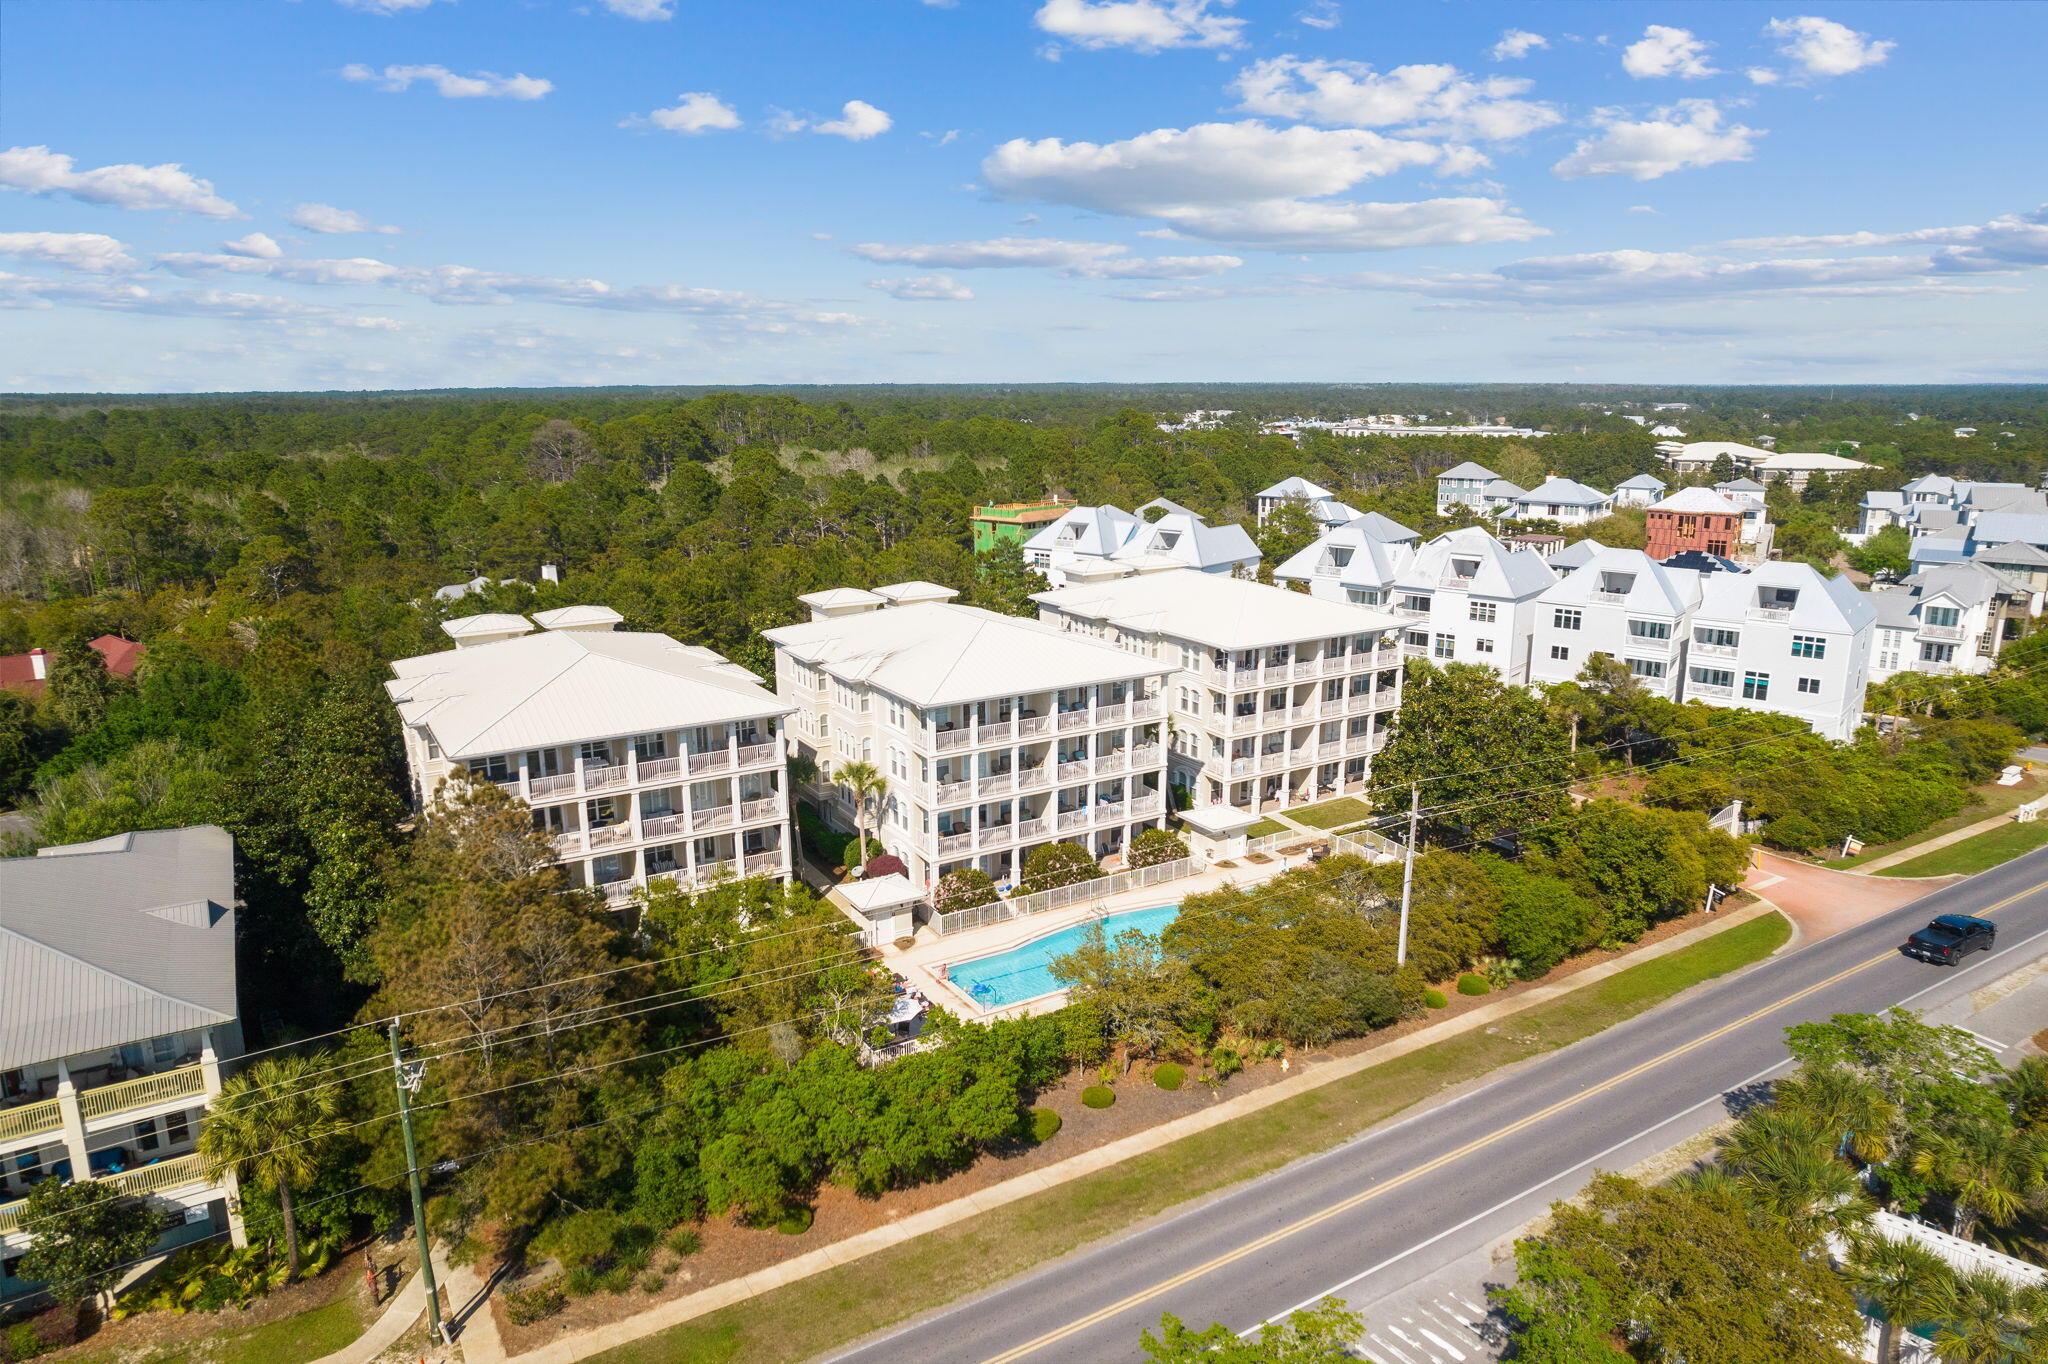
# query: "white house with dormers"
{"points": [[1322, 505], [1158, 534], [645, 758], [1622, 603], [997, 734], [1949, 618], [1278, 698], [1354, 563], [1563, 500], [1783, 637], [1465, 597], [1639, 491]]}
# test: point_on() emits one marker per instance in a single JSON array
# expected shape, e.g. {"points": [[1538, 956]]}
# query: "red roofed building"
{"points": [[29, 672], [1693, 518]]}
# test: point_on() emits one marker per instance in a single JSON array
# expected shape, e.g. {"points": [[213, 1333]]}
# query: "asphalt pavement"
{"points": [[1391, 1216]]}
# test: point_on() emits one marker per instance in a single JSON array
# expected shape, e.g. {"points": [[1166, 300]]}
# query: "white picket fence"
{"points": [[1367, 844], [1083, 892]]}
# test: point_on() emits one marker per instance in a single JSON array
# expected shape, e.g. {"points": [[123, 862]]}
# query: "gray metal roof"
{"points": [[127, 938]]}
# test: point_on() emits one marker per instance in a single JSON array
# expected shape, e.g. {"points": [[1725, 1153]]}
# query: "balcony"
{"points": [[1112, 714], [1410, 612], [946, 740], [1772, 612], [611, 836], [1109, 764], [1034, 778], [1072, 771], [754, 811], [569, 843], [710, 817], [752, 754], [1328, 570], [1033, 828], [1148, 708], [1111, 810], [605, 778], [1030, 725], [716, 760], [551, 786], [661, 826], [760, 862], [1716, 650], [1610, 598], [1707, 689], [1152, 804], [1075, 719], [1941, 632], [952, 792], [660, 769], [1070, 820], [148, 1179], [1002, 784], [28, 1119], [995, 836], [955, 843], [1146, 755]]}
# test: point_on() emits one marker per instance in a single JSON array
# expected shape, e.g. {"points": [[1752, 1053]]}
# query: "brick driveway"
{"points": [[1821, 902]]}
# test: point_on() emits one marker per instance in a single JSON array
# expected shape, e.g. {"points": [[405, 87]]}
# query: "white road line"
{"points": [[1456, 1353], [1767, 883], [1990, 1042], [1387, 1347]]}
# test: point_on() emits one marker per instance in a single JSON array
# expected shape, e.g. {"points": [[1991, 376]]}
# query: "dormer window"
{"points": [[1340, 557], [1464, 568], [1777, 598], [1070, 533], [1168, 539], [1617, 584]]}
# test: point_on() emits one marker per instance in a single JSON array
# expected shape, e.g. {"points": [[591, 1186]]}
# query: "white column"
{"points": [[73, 1122]]}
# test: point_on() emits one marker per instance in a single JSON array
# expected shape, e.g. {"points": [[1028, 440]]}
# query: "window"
{"points": [[650, 747], [1565, 619], [1481, 611], [1941, 617], [163, 1050], [1482, 646], [1756, 686], [1415, 602], [176, 1129], [145, 1135], [1809, 686], [1720, 679], [1558, 651], [1650, 629], [1646, 667], [1937, 653], [493, 768], [1809, 646], [1717, 638], [597, 753], [1444, 647], [1366, 596]]}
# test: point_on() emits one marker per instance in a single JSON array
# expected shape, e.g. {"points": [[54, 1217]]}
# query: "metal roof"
{"points": [[1213, 610], [1565, 492], [561, 686], [1497, 571], [1652, 587], [115, 941], [1698, 500], [1469, 470], [1294, 485]]}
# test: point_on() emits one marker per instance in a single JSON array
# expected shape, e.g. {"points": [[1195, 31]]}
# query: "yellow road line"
{"points": [[1229, 1257]]}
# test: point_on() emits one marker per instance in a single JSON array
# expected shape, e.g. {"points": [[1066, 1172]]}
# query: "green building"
{"points": [[1012, 523]]}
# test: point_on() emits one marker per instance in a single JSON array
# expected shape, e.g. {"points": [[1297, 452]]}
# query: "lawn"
{"points": [[1264, 827], [826, 1310], [1972, 855], [1329, 814], [1991, 800], [288, 1340]]}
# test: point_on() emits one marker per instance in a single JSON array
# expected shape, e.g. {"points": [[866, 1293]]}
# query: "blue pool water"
{"points": [[1026, 972]]}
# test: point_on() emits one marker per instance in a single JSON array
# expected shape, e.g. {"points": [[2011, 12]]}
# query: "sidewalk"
{"points": [[660, 1318], [1982, 826], [406, 1307]]}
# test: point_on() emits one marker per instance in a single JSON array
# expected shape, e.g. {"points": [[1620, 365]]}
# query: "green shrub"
{"points": [[1169, 1076], [1472, 984], [1434, 999], [968, 888], [525, 1306], [1098, 1096], [1042, 1123], [1052, 865], [685, 1241], [1155, 846], [795, 1222], [651, 1282]]}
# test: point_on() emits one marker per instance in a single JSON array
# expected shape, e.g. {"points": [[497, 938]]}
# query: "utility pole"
{"points": [[406, 1079], [1408, 870]]}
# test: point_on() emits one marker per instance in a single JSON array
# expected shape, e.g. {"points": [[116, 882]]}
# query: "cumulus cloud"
{"points": [[38, 170], [1517, 43], [1823, 47], [1684, 135], [449, 84], [924, 289], [647, 11], [857, 122], [695, 111], [1667, 51], [1763, 75], [1250, 184], [994, 254], [2011, 240], [258, 245], [25, 291], [1440, 99], [1322, 14], [91, 253], [1155, 267], [1141, 25], [331, 221]]}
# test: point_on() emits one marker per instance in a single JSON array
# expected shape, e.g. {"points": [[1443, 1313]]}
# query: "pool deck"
{"points": [[918, 963]]}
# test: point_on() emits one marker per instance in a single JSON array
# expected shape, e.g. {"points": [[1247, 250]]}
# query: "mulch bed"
{"points": [[730, 1251]]}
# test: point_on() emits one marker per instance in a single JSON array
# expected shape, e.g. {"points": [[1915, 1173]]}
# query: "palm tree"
{"points": [[1835, 1099], [867, 787], [1905, 1282], [1980, 1322], [1806, 1189], [1994, 1175], [268, 1126]]}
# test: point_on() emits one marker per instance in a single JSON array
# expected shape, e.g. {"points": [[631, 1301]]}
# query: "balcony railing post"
{"points": [[74, 1124]]}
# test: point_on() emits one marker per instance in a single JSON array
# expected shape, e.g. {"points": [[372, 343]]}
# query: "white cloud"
{"points": [[644, 10], [1141, 25], [695, 111], [38, 170], [1667, 51], [1641, 208], [1823, 47], [23, 291], [995, 254], [1249, 184], [924, 289], [258, 245], [331, 221], [1155, 267], [1762, 75], [1687, 134], [92, 253], [857, 122], [1351, 94], [1517, 43], [1322, 14], [298, 270], [449, 84], [2013, 239], [385, 7]]}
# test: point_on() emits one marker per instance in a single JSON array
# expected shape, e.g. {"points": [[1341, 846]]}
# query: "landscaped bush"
{"points": [[1098, 1096], [599, 1250], [1472, 984], [825, 846], [1043, 1123], [1155, 846], [525, 1306], [963, 889], [1434, 999], [40, 1335], [886, 864], [685, 1241], [795, 1222], [1052, 865], [212, 1275], [1169, 1076]]}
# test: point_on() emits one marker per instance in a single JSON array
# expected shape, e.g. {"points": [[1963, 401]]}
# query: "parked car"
{"points": [[1950, 938]]}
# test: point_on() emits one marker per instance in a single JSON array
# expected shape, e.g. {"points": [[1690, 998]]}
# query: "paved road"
{"points": [[1408, 1201]]}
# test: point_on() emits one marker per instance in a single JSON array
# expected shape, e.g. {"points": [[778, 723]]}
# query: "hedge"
{"points": [[1043, 1124], [1168, 1076], [1434, 999], [1098, 1096], [1471, 984]]}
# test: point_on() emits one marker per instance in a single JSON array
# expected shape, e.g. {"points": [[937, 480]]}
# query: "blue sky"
{"points": [[289, 194]]}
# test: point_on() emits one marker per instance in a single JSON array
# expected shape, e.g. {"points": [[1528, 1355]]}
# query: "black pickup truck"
{"points": [[1950, 938]]}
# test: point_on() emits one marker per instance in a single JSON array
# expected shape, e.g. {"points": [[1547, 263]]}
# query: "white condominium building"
{"points": [[1279, 698], [644, 757], [1319, 502], [1467, 598], [1354, 563], [1783, 637], [1172, 537], [996, 734], [1951, 618], [1622, 603], [1562, 500], [117, 1009]]}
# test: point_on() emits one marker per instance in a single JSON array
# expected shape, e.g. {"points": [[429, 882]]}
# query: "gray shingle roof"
{"points": [[127, 938]]}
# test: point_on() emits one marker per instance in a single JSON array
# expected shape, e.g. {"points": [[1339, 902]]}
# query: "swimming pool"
{"points": [[1025, 972]]}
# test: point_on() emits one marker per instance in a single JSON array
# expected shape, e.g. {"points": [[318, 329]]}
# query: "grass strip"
{"points": [[1264, 827], [830, 1309], [312, 1334], [1975, 854], [1989, 800], [1330, 813]]}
